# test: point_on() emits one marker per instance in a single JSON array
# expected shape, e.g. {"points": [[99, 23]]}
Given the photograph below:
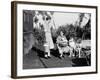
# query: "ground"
{"points": [[35, 59]]}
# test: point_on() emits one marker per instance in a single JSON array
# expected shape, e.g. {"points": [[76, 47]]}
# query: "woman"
{"points": [[62, 44], [49, 42]]}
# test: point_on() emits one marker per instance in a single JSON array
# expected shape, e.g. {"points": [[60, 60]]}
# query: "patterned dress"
{"points": [[62, 44]]}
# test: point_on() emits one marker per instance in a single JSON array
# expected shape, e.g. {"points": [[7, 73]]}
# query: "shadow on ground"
{"points": [[35, 59], [79, 62]]}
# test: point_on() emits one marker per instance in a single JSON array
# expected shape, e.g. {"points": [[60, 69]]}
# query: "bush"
{"points": [[68, 30], [39, 35]]}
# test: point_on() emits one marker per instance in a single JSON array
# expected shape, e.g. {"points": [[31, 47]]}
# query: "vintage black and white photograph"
{"points": [[56, 39], [53, 39]]}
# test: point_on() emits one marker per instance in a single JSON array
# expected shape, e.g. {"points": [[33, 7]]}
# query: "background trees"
{"points": [[70, 30], [77, 31]]}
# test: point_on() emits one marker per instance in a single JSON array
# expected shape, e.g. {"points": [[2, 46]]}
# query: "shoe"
{"points": [[60, 57], [63, 56], [46, 57], [73, 55], [49, 56]]}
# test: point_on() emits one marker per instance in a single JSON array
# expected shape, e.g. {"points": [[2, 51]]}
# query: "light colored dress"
{"points": [[49, 42], [48, 36]]}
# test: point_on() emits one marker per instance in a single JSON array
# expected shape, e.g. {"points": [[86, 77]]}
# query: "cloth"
{"points": [[47, 29], [62, 41], [63, 49], [72, 43], [62, 44]]}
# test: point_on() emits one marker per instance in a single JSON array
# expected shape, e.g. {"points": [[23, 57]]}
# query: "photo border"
{"points": [[14, 37]]}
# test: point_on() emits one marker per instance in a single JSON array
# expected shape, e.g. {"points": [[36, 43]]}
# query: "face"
{"points": [[61, 33]]}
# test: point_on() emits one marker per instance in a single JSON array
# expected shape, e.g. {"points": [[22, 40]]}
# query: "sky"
{"points": [[65, 18], [68, 18]]}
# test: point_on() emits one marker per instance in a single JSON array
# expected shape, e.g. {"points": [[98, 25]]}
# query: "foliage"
{"points": [[69, 31], [87, 31], [39, 35]]}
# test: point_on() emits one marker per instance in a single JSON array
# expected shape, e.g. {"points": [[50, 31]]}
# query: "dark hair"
{"points": [[48, 18], [36, 20]]}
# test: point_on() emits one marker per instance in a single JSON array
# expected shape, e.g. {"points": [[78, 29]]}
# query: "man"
{"points": [[62, 44]]}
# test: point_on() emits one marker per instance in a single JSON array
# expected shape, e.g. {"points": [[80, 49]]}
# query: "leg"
{"points": [[60, 52], [47, 51], [71, 52], [46, 55], [79, 50]]}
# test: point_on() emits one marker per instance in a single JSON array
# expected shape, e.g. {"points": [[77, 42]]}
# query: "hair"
{"points": [[79, 40]]}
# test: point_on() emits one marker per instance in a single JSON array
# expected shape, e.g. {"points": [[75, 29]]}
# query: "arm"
{"points": [[61, 41]]}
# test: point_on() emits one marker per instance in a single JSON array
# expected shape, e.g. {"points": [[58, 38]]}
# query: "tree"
{"points": [[81, 16], [87, 30]]}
